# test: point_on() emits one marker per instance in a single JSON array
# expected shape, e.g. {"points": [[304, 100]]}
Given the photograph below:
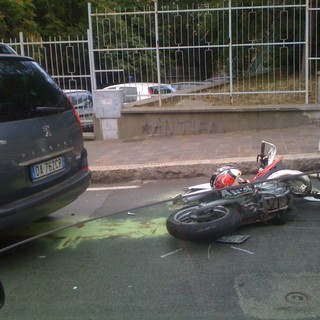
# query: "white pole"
{"points": [[91, 53], [230, 52], [157, 49], [306, 49], [21, 43]]}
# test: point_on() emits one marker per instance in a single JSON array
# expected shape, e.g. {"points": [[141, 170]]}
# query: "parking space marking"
{"points": [[112, 188], [243, 250], [170, 253]]}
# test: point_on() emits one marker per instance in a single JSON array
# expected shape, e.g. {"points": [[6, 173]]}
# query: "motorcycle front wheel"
{"points": [[204, 223]]}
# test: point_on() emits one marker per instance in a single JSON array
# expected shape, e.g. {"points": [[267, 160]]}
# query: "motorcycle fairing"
{"points": [[264, 174]]}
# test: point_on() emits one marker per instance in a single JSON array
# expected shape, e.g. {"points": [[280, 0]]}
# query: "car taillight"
{"points": [[150, 90], [84, 160], [85, 169]]}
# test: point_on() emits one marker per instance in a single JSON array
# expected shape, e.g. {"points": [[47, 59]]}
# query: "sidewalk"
{"points": [[199, 155]]}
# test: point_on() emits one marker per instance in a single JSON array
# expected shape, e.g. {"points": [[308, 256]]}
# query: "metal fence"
{"points": [[263, 52], [66, 60]]}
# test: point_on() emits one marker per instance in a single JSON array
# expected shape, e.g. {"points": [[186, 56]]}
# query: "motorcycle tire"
{"points": [[223, 217]]}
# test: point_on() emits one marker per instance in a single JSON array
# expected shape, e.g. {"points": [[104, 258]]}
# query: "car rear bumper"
{"points": [[45, 202]]}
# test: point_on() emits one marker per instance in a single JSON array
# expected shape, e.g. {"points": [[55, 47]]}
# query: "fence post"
{"points": [[90, 50], [318, 86], [306, 48], [230, 52], [21, 43], [157, 48]]}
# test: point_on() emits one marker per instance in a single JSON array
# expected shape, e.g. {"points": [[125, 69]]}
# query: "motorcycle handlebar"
{"points": [[261, 156]]}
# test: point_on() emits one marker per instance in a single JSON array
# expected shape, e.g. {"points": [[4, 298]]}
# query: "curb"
{"points": [[192, 169]]}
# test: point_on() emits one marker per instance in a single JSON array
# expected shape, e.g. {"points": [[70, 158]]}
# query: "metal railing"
{"points": [[266, 52], [230, 54], [66, 60]]}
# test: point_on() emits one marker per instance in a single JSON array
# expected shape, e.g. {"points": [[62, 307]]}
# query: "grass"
{"points": [[243, 87]]}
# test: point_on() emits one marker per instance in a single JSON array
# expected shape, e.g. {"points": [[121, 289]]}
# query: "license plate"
{"points": [[233, 239], [46, 168]]}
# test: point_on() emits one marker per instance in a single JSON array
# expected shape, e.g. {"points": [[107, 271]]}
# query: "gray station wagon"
{"points": [[43, 162]]}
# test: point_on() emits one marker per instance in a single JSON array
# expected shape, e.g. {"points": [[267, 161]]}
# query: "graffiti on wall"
{"points": [[165, 127]]}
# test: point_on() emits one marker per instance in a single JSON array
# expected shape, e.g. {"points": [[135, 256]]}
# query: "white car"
{"points": [[137, 91]]}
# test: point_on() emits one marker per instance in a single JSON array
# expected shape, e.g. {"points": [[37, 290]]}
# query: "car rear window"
{"points": [[26, 91], [155, 90]]}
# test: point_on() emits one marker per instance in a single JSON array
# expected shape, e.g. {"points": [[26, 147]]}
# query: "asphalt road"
{"points": [[126, 266]]}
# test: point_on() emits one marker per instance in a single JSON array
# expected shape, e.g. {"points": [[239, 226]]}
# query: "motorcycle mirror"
{"points": [[2, 295]]}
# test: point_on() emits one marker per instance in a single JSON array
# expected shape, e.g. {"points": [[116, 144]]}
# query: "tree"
{"points": [[16, 16], [61, 17]]}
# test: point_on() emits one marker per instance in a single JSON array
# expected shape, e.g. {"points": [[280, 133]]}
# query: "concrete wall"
{"points": [[168, 121]]}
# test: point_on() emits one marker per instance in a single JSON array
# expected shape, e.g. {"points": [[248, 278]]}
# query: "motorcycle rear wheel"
{"points": [[221, 218]]}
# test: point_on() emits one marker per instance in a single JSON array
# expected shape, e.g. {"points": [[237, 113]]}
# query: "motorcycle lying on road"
{"points": [[269, 168], [228, 201]]}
